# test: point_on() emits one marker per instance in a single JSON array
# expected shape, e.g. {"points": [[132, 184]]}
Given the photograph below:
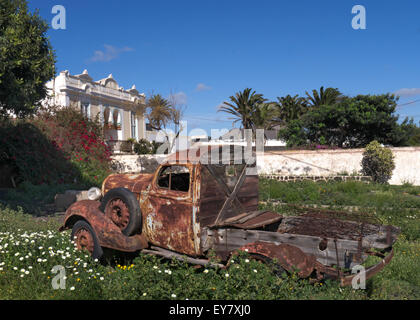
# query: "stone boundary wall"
{"points": [[316, 178], [337, 162], [302, 163], [128, 163]]}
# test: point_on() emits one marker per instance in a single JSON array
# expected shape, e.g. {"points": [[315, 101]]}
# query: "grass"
{"points": [[30, 247]]}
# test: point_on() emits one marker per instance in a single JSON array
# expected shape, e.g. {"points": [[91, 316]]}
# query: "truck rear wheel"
{"points": [[121, 206]]}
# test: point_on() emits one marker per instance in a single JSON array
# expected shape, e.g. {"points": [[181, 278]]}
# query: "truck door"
{"points": [[167, 210]]}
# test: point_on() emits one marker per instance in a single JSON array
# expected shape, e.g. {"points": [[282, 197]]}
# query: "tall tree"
{"points": [[243, 106], [159, 111], [178, 107], [290, 108], [328, 96], [263, 117], [27, 60], [353, 122]]}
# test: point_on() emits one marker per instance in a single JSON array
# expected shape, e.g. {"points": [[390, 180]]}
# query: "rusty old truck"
{"points": [[191, 207]]}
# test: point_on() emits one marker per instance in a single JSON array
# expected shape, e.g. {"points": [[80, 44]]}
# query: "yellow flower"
{"points": [[78, 279]]}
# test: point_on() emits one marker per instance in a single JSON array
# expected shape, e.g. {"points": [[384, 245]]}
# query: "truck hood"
{"points": [[133, 182]]}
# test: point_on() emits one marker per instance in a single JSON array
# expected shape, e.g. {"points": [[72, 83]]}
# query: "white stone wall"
{"points": [[299, 163], [135, 163], [332, 162]]}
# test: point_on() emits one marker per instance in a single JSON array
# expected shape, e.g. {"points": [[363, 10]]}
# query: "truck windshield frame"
{"points": [[172, 180]]}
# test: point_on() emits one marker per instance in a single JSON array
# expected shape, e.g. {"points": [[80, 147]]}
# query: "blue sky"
{"points": [[205, 51]]}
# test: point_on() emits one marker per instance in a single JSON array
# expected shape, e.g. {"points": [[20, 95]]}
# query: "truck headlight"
{"points": [[94, 194]]}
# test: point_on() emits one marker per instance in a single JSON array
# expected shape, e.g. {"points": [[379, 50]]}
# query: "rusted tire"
{"points": [[121, 206], [85, 238]]}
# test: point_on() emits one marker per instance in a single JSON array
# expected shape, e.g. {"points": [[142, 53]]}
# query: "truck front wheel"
{"points": [[121, 206], [85, 239]]}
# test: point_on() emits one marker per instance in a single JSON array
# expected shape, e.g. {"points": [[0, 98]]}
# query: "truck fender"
{"points": [[108, 234], [291, 258]]}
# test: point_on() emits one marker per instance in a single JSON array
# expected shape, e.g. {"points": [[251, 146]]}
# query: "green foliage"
{"points": [[290, 108], [243, 107], [264, 116], [35, 158], [58, 147], [328, 96], [36, 199], [143, 146], [160, 111], [81, 140], [352, 122], [127, 146], [412, 131], [378, 162], [294, 134], [27, 59]]}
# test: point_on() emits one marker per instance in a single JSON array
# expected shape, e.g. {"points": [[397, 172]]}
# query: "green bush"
{"points": [[378, 162], [60, 146], [143, 147], [127, 146]]}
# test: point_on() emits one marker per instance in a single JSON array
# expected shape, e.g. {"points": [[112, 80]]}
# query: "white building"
{"points": [[120, 111]]}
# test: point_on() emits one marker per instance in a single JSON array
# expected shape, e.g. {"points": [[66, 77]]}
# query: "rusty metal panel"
{"points": [[133, 182], [108, 234], [373, 235], [167, 216], [252, 220], [289, 257]]}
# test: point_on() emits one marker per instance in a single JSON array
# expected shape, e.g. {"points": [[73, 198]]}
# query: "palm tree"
{"points": [[263, 116], [160, 111], [290, 108], [243, 107], [328, 96]]}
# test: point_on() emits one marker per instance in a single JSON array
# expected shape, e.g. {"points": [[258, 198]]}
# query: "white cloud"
{"points": [[405, 92], [110, 53], [202, 87]]}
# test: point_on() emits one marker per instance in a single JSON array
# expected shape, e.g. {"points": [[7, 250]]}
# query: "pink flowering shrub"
{"points": [[57, 147]]}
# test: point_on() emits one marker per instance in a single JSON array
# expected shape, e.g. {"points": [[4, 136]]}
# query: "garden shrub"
{"points": [[127, 146], [56, 147], [378, 162], [34, 157], [143, 147]]}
